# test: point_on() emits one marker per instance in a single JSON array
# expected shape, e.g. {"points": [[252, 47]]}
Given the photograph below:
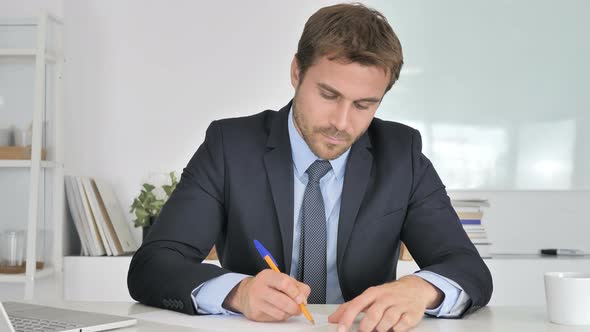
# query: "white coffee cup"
{"points": [[568, 297]]}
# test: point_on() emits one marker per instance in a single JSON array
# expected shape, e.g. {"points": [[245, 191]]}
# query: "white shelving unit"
{"points": [[26, 164], [36, 43]]}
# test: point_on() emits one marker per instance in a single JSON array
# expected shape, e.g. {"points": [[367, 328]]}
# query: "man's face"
{"points": [[335, 103]]}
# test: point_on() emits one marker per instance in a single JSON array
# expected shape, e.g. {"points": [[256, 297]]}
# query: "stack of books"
{"points": [[98, 218], [470, 212]]}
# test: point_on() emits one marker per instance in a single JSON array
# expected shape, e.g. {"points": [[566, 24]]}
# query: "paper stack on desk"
{"points": [[470, 212]]}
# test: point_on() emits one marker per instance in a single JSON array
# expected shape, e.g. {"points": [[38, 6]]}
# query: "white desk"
{"points": [[493, 318]]}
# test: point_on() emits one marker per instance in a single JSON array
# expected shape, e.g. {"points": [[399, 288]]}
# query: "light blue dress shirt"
{"points": [[209, 296]]}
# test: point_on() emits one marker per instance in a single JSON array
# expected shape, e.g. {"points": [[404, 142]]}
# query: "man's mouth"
{"points": [[334, 140]]}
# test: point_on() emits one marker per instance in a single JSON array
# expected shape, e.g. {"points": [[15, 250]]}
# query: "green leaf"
{"points": [[148, 187], [168, 189], [141, 213], [147, 205]]}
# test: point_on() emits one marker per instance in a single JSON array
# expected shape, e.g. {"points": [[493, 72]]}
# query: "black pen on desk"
{"points": [[562, 252]]}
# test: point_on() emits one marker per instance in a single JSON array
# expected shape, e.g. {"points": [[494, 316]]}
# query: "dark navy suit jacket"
{"points": [[238, 186]]}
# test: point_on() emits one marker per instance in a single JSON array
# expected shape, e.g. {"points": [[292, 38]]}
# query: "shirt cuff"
{"points": [[208, 297], [456, 299]]}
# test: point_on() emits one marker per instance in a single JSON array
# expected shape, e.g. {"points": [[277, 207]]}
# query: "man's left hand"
{"points": [[398, 305]]}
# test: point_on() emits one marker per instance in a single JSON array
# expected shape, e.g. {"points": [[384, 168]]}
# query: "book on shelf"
{"points": [[76, 216], [98, 218], [95, 240], [474, 228], [467, 209], [473, 203], [116, 215], [76, 208], [112, 237], [483, 249], [484, 242], [470, 221], [104, 225], [96, 214], [470, 213], [478, 235]]}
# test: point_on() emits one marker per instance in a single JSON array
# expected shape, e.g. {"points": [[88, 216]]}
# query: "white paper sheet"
{"points": [[222, 323]]}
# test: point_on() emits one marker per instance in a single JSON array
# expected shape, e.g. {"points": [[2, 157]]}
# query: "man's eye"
{"points": [[329, 97], [361, 107]]}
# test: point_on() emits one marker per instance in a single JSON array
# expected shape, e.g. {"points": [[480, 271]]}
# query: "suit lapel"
{"points": [[278, 162], [356, 177]]}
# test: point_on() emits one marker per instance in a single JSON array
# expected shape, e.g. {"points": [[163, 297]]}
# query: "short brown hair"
{"points": [[350, 32]]}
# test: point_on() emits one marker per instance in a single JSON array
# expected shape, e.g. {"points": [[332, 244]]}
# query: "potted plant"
{"points": [[146, 207]]}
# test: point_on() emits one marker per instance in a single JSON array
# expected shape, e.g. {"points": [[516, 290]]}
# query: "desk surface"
{"points": [[491, 318]]}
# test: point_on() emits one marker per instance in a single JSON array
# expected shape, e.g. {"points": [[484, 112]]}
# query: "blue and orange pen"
{"points": [[273, 265]]}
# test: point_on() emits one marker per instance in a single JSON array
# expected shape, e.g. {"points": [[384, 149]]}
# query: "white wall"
{"points": [[29, 8]]}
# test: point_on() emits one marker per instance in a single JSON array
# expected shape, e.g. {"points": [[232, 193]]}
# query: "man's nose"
{"points": [[340, 116]]}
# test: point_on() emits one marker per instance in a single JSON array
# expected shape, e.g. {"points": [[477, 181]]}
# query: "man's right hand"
{"points": [[268, 297]]}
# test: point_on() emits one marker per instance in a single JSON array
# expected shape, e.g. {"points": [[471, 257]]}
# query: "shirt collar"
{"points": [[303, 157]]}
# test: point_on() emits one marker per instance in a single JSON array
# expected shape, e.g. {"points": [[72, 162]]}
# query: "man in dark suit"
{"points": [[328, 189]]}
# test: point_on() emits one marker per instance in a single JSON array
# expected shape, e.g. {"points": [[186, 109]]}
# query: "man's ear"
{"points": [[294, 73]]}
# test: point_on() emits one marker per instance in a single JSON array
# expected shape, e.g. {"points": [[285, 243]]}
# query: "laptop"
{"points": [[24, 317]]}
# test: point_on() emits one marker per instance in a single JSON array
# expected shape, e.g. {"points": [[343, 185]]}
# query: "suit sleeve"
{"points": [[434, 235], [168, 265]]}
